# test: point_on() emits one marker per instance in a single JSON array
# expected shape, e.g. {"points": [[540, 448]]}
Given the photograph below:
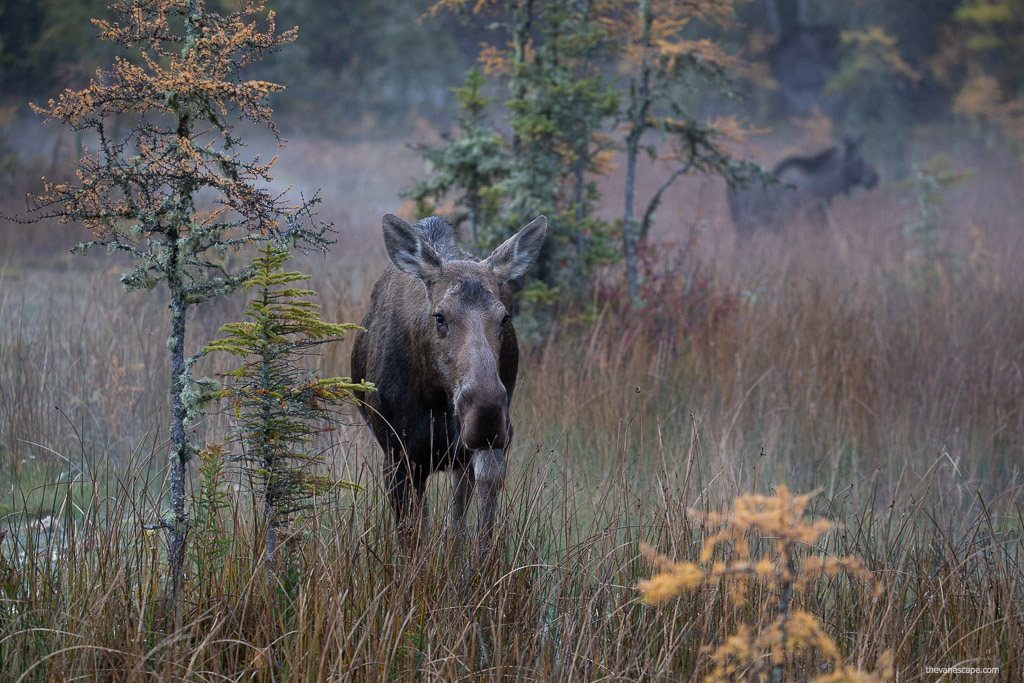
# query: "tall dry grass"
{"points": [[810, 361]]}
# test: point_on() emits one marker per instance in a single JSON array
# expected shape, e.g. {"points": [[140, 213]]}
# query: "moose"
{"points": [[440, 347], [804, 185]]}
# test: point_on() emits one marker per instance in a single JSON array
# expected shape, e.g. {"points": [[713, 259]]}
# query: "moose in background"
{"points": [[806, 185]]}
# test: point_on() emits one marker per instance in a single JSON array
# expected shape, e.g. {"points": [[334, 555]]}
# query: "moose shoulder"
{"points": [[805, 184], [440, 347]]}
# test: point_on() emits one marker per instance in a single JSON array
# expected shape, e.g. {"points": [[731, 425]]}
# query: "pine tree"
{"points": [[279, 405], [138, 191], [561, 103], [547, 55], [471, 163]]}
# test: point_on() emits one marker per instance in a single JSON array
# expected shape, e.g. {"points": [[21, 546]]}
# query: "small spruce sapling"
{"points": [[926, 192], [211, 537], [281, 407]]}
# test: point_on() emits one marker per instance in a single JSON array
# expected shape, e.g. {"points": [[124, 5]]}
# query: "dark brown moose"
{"points": [[806, 185], [440, 347]]}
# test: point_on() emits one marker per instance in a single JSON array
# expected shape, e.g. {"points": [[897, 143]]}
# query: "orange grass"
{"points": [[809, 362]]}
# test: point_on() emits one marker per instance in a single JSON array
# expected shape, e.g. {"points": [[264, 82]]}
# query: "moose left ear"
{"points": [[517, 254]]}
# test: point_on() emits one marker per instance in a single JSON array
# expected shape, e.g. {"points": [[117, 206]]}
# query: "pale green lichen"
{"points": [[140, 278], [192, 401], [207, 389], [184, 453]]}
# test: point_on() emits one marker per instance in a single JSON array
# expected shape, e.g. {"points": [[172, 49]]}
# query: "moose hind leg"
{"points": [[489, 476]]}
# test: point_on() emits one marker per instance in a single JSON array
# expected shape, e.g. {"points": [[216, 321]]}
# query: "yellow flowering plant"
{"points": [[767, 654]]}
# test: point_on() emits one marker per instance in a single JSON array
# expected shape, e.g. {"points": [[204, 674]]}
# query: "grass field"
{"points": [[828, 361]]}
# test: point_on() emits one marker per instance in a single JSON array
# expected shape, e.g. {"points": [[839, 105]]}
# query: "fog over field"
{"points": [[861, 341]]}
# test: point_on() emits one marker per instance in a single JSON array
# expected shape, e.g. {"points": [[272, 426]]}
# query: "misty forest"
{"points": [[768, 410]]}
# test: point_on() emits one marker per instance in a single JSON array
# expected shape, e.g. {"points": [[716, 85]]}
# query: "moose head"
{"points": [[466, 322]]}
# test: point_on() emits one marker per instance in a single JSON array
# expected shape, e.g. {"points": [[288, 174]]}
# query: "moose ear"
{"points": [[408, 251], [517, 254]]}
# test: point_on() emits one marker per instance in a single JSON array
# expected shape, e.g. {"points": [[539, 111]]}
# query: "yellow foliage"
{"points": [[884, 671], [407, 211], [201, 82], [669, 18], [876, 46], [603, 159], [493, 62], [986, 12], [452, 5], [754, 65], [979, 96], [981, 259], [982, 97], [706, 50], [781, 522], [673, 579]]}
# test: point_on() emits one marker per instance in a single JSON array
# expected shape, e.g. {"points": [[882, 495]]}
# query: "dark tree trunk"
{"points": [[522, 21], [640, 95], [628, 234], [177, 525], [474, 211], [581, 178], [771, 10]]}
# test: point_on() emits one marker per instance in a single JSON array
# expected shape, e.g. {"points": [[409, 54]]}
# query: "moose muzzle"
{"points": [[483, 416]]}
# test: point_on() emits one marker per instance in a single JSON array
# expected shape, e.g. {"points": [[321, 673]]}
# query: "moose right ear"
{"points": [[408, 251], [517, 254]]}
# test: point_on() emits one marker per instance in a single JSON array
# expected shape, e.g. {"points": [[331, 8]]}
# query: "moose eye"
{"points": [[439, 319], [506, 320]]}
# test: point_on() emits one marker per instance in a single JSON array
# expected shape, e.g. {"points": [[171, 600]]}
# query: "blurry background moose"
{"points": [[801, 188]]}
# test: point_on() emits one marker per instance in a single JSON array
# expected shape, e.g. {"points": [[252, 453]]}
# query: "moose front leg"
{"points": [[489, 476], [406, 485]]}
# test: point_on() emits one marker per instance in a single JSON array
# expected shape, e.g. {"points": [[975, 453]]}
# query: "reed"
{"points": [[816, 363]]}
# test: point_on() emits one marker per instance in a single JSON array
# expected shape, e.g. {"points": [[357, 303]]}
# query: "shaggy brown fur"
{"points": [[440, 347]]}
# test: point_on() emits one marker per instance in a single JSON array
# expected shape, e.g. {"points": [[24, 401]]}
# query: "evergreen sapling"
{"points": [[280, 406]]}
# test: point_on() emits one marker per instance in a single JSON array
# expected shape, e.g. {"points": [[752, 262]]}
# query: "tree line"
{"points": [[878, 60]]}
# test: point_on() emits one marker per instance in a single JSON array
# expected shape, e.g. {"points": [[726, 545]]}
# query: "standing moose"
{"points": [[805, 184], [440, 347]]}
